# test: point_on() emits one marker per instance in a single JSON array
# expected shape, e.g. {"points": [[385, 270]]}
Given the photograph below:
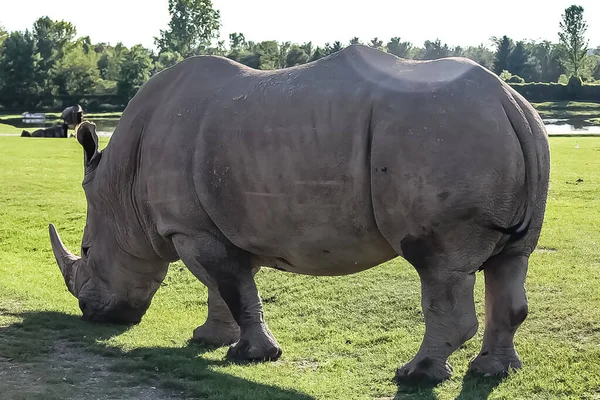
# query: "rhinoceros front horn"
{"points": [[67, 261]]}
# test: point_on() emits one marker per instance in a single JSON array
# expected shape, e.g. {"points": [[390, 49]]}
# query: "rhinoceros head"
{"points": [[111, 284]]}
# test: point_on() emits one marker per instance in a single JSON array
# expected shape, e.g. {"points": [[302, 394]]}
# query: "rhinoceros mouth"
{"points": [[119, 313]]}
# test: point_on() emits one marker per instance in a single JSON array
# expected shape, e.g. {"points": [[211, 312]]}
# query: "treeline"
{"points": [[49, 66]]}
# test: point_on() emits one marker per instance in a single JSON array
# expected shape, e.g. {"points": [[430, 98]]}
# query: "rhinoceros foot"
{"points": [[423, 372], [489, 364], [217, 334], [257, 345]]}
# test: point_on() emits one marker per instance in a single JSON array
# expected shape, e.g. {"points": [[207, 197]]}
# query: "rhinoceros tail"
{"points": [[526, 136], [24, 133]]}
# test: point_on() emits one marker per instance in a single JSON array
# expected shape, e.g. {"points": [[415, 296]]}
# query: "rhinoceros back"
{"points": [[281, 161]]}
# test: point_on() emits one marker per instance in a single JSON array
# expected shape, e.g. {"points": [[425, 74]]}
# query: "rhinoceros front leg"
{"points": [[227, 271], [505, 310], [450, 320]]}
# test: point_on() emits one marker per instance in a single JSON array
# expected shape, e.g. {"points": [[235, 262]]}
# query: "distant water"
{"points": [[576, 126], [106, 126]]}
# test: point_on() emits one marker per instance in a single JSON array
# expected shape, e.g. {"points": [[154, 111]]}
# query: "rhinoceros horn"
{"points": [[67, 261]]}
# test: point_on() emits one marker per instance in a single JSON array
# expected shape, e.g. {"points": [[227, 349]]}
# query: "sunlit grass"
{"points": [[342, 337]]}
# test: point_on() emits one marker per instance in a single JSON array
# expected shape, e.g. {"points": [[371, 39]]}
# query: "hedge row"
{"points": [[534, 92], [573, 91], [90, 103]]}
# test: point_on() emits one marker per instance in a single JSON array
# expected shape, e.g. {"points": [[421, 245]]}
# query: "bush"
{"points": [[576, 90], [505, 75], [109, 108], [574, 87], [515, 79]]}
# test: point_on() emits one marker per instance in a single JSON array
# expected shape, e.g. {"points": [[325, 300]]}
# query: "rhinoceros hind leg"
{"points": [[450, 320], [220, 329], [227, 270], [506, 308]]}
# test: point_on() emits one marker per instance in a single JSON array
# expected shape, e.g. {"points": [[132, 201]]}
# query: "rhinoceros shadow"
{"points": [[473, 388], [53, 355]]}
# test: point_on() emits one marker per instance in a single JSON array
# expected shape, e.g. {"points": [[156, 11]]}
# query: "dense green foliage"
{"points": [[50, 67], [573, 90], [342, 337]]}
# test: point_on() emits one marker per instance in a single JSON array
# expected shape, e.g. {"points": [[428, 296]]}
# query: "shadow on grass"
{"points": [[50, 350], [473, 388], [476, 387], [415, 393]]}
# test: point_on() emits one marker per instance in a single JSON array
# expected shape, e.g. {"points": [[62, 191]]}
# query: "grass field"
{"points": [[342, 337], [593, 121], [567, 109], [9, 129]]}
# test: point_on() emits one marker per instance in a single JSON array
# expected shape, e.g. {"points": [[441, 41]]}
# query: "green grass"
{"points": [[342, 337], [51, 118], [593, 121], [567, 109], [9, 129], [567, 105]]}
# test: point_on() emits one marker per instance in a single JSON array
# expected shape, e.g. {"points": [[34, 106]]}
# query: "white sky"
{"points": [[456, 22]]}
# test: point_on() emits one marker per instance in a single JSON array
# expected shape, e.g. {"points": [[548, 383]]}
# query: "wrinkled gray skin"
{"points": [[324, 169]]}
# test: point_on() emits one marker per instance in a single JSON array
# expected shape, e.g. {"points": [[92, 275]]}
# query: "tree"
{"points": [[399, 48], [572, 39], [3, 34], [264, 55], [18, 65], [78, 72], [596, 69], [166, 59], [504, 46], [332, 48], [376, 43], [434, 50], [355, 40], [307, 48], [545, 59], [109, 61], [481, 55], [237, 41], [518, 61], [135, 70], [284, 48], [52, 40], [296, 56], [457, 52], [193, 26], [317, 54]]}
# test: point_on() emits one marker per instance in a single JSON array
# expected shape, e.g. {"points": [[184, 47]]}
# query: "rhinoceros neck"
{"points": [[123, 179], [117, 175]]}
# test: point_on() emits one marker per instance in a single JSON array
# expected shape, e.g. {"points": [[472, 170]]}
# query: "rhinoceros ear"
{"points": [[87, 137]]}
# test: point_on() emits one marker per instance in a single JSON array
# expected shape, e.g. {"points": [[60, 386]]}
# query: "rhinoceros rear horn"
{"points": [[67, 261], [87, 137]]}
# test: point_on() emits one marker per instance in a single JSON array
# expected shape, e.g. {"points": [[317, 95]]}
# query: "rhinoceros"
{"points": [[54, 131], [327, 168]]}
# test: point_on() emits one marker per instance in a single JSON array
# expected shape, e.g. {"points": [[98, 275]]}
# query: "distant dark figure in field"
{"points": [[71, 116], [55, 131]]}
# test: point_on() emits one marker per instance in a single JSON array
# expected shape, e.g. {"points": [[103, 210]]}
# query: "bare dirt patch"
{"points": [[70, 373]]}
